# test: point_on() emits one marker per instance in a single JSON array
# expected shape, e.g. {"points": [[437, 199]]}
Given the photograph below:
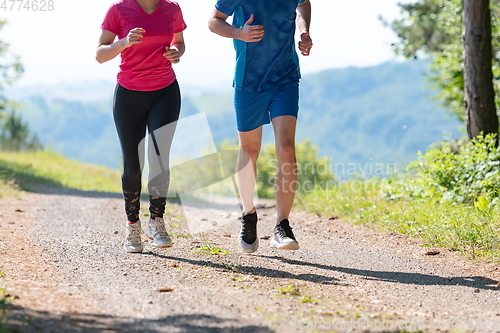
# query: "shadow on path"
{"points": [[21, 319], [260, 271], [401, 277], [477, 282]]}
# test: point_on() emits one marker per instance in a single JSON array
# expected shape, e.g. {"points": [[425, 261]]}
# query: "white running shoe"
{"points": [[283, 237], [157, 232], [133, 242]]}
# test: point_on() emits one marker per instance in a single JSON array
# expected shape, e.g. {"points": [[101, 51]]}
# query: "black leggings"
{"points": [[133, 111]]}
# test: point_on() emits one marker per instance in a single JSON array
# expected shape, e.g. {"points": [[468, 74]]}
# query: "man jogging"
{"points": [[266, 86]]}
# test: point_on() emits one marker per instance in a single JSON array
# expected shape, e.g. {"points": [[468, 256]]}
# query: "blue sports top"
{"points": [[273, 60]]}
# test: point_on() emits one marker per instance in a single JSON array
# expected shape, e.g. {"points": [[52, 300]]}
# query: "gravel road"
{"points": [[61, 252]]}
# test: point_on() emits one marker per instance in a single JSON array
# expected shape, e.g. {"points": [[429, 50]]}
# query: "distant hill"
{"points": [[382, 114]]}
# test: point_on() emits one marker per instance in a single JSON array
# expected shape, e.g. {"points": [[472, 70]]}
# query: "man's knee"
{"points": [[285, 152], [249, 152]]}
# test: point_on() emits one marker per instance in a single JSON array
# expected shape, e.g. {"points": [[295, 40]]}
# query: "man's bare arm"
{"points": [[304, 16], [304, 22], [249, 33]]}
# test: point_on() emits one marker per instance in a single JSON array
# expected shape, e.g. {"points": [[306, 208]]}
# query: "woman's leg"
{"points": [[130, 110]]}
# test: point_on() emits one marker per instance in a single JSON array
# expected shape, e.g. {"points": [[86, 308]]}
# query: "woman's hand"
{"points": [[133, 37], [173, 55]]}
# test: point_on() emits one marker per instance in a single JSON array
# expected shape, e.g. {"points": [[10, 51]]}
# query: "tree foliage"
{"points": [[14, 132], [11, 68], [434, 28]]}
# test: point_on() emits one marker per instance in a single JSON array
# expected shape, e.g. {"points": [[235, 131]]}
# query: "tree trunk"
{"points": [[479, 93]]}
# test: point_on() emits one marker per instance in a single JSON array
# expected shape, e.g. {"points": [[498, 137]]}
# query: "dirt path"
{"points": [[62, 256]]}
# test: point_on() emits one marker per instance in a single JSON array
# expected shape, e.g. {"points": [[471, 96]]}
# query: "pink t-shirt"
{"points": [[143, 66]]}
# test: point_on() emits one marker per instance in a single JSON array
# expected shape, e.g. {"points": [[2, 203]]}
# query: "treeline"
{"points": [[15, 134], [462, 39]]}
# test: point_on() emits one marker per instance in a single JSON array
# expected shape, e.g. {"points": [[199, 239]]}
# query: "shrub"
{"points": [[313, 172], [15, 134], [460, 172]]}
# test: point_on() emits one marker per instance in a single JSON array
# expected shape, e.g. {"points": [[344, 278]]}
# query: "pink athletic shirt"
{"points": [[143, 66]]}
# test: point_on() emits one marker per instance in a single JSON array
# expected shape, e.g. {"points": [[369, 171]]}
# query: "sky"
{"points": [[58, 46]]}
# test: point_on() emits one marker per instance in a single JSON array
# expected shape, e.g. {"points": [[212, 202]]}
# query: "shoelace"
{"points": [[248, 235], [247, 229], [159, 229], [285, 232], [134, 234]]}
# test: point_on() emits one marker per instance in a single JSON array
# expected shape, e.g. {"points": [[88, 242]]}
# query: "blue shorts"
{"points": [[254, 109]]}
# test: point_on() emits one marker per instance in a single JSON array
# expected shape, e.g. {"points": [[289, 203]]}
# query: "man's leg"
{"points": [[285, 182], [250, 143], [286, 175]]}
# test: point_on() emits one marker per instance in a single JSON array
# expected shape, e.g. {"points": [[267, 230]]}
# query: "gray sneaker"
{"points": [[249, 242], [157, 232], [133, 242]]}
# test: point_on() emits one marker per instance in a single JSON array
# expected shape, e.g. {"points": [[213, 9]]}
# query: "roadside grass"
{"points": [[5, 300], [473, 230], [27, 170]]}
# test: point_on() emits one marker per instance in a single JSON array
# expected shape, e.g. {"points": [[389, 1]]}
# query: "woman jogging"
{"points": [[147, 95]]}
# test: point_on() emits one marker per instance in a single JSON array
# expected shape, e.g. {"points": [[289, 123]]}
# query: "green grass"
{"points": [[473, 230], [5, 300], [303, 296], [211, 250], [26, 170], [231, 267]]}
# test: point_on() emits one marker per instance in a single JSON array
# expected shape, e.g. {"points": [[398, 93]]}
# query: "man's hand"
{"points": [[305, 44], [172, 54], [251, 33], [133, 37]]}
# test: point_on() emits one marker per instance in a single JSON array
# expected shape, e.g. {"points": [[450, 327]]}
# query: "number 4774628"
{"points": [[27, 5]]}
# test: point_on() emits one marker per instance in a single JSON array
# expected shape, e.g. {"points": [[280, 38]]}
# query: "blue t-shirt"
{"points": [[273, 60]]}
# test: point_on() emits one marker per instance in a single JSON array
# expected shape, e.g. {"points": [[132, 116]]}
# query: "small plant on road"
{"points": [[292, 290], [296, 291], [211, 250], [232, 267]]}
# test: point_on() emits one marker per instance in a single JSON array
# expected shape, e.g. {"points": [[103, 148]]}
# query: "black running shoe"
{"points": [[283, 237], [248, 233]]}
